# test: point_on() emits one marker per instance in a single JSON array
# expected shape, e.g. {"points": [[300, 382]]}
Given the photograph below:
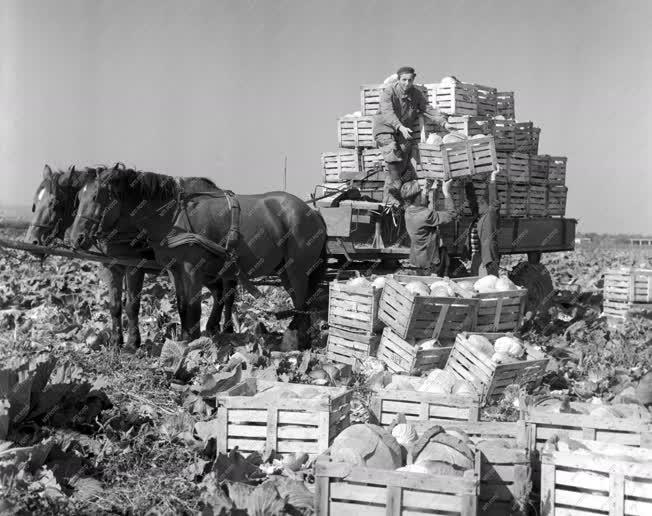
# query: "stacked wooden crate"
{"points": [[353, 322], [263, 416], [626, 289]]}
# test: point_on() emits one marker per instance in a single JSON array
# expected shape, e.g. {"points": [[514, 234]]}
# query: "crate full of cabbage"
{"points": [[369, 470], [414, 309], [492, 361], [501, 302], [458, 157], [411, 356], [353, 305], [258, 415], [505, 471], [592, 477], [439, 395]]}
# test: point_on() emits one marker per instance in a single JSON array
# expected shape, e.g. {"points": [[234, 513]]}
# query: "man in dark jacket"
{"points": [[486, 210], [401, 105], [422, 224]]}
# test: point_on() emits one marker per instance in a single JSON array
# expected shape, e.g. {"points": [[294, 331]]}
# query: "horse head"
{"points": [[99, 208], [52, 207]]}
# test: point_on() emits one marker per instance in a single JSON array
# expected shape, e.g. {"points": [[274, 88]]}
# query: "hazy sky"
{"points": [[225, 89]]}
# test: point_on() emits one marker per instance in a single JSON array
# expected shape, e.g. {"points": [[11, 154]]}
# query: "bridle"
{"points": [[61, 194]]}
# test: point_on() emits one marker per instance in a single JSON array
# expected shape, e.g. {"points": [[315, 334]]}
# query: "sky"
{"points": [[227, 89]]}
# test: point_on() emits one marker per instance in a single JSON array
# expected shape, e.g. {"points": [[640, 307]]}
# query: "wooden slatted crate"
{"points": [[505, 104], [534, 146], [354, 309], [341, 165], [628, 285], [517, 203], [487, 100], [373, 164], [373, 189], [515, 167], [596, 479], [472, 125], [370, 97], [454, 99], [455, 160], [355, 131], [539, 166], [425, 317], [345, 490], [542, 424], [557, 170], [556, 206], [504, 135], [490, 378], [505, 471], [523, 135], [405, 356], [497, 311], [423, 406], [256, 415], [537, 201], [346, 347]]}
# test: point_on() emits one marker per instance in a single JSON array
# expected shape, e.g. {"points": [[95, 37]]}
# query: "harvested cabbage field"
{"points": [[240, 424]]}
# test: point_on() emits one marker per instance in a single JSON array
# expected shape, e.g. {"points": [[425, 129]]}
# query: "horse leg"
{"points": [[134, 280], [113, 276], [217, 290], [228, 298], [187, 286], [298, 292]]}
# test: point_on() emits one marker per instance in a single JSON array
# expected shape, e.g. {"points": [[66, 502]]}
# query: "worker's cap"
{"points": [[410, 190], [405, 69]]}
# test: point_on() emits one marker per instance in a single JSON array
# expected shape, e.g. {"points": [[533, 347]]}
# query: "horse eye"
{"points": [[33, 208]]}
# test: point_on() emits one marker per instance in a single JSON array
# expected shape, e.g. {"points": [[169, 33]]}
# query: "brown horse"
{"points": [[54, 206], [197, 238]]}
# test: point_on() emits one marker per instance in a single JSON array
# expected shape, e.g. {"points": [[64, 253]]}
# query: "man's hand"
{"points": [[405, 132], [446, 187], [495, 173]]}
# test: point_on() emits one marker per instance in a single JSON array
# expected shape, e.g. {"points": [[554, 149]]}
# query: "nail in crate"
{"points": [[472, 125], [454, 98], [505, 468], [346, 347], [461, 159], [343, 489], [424, 317], [420, 406], [354, 308], [557, 201], [341, 165], [407, 356], [489, 377], [370, 97], [497, 311], [258, 415], [590, 478], [355, 131], [505, 104], [630, 285]]}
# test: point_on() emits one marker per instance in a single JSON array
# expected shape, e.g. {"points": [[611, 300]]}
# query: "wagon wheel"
{"points": [[536, 279]]}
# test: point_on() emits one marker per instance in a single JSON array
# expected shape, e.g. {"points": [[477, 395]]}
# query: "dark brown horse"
{"points": [[278, 234], [54, 206]]}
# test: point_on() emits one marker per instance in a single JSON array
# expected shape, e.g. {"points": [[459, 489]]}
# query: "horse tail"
{"points": [[318, 273]]}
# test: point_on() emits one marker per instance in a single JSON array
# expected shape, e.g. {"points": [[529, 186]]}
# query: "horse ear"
{"points": [[47, 171]]}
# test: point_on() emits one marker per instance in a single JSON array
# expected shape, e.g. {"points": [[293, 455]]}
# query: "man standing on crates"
{"points": [[401, 105]]}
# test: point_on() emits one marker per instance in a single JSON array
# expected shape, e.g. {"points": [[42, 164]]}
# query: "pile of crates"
{"points": [[626, 289]]}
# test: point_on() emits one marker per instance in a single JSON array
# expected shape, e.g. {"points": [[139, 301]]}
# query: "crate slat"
{"points": [[400, 355], [460, 159], [355, 131]]}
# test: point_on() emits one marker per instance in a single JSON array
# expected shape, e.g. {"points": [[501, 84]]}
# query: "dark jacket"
{"points": [[399, 108], [421, 224], [488, 219]]}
